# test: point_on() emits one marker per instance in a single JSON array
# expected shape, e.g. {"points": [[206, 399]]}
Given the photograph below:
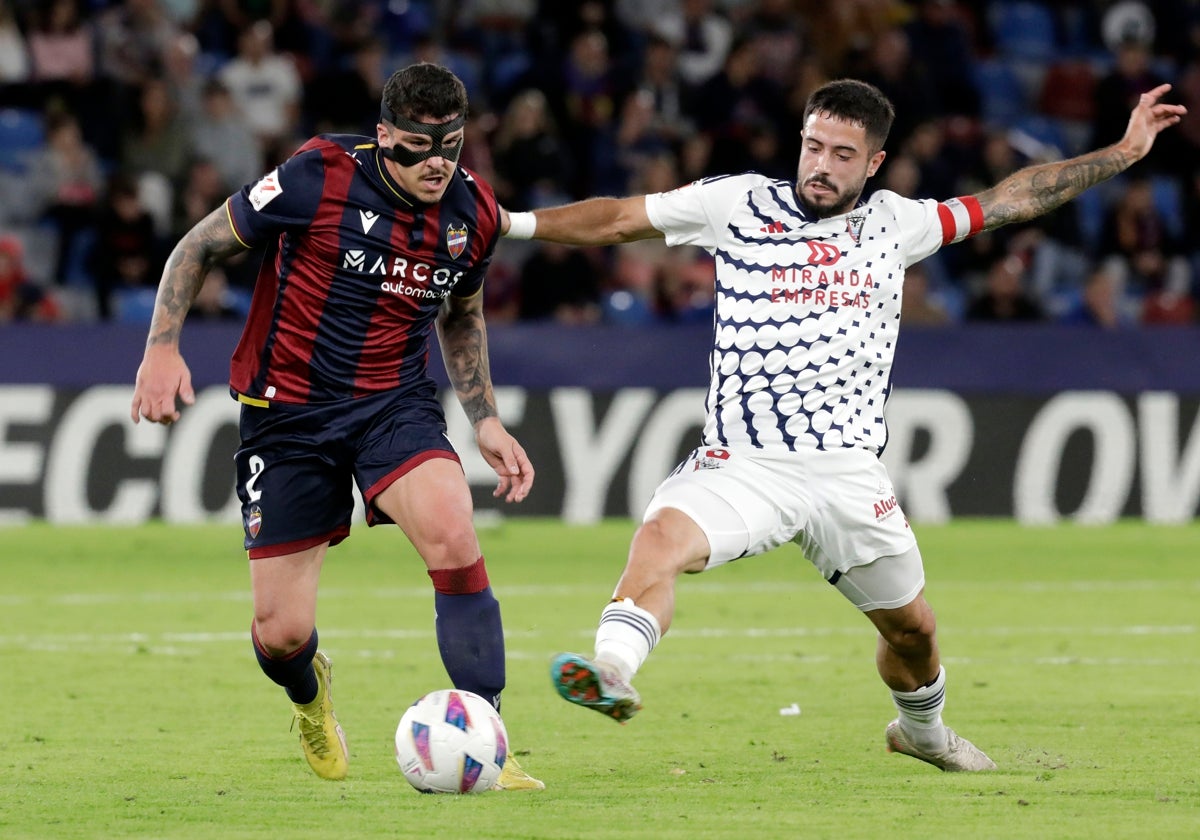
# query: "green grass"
{"points": [[133, 706]]}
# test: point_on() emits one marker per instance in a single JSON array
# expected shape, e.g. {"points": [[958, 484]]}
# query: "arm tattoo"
{"points": [[1036, 190], [463, 336], [211, 241]]}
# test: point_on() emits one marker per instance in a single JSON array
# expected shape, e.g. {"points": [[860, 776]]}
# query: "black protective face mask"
{"points": [[435, 133]]}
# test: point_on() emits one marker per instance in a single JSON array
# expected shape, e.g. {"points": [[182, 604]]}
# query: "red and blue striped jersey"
{"points": [[355, 272]]}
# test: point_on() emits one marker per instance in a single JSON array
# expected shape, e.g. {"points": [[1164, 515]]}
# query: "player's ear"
{"points": [[875, 162], [381, 134]]}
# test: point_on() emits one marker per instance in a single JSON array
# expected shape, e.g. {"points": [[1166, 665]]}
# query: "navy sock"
{"points": [[471, 640], [294, 672]]}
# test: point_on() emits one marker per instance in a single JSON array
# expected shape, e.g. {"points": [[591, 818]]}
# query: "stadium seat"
{"points": [[21, 135], [622, 307], [1168, 198], [133, 306], [1001, 93], [1045, 130], [1024, 30], [1091, 207], [1068, 90]]}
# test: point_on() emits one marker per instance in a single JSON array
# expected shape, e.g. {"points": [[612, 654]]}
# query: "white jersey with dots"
{"points": [[807, 310]]}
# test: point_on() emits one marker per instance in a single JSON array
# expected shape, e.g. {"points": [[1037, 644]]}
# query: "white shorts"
{"points": [[838, 506]]}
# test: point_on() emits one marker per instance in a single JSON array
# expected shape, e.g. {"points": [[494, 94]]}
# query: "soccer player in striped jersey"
{"points": [[808, 285], [373, 245]]}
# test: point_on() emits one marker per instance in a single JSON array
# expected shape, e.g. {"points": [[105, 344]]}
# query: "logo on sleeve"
{"points": [[266, 190], [456, 240]]}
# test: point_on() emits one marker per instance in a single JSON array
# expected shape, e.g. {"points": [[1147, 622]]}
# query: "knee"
{"points": [[278, 635], [669, 543], [450, 544], [913, 636]]}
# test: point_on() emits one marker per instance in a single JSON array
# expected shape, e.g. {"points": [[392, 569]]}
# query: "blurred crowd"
{"points": [[123, 122]]}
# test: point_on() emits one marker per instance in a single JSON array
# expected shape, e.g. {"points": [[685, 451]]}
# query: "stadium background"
{"points": [[1046, 371]]}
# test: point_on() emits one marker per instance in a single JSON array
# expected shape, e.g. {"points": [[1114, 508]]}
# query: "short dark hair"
{"points": [[425, 90], [856, 102]]}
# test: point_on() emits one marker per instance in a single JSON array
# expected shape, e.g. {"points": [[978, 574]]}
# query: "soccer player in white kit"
{"points": [[808, 281]]}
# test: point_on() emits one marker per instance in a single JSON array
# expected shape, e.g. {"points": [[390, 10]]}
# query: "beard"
{"points": [[827, 204]]}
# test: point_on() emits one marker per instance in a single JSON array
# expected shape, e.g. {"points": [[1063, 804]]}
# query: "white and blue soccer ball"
{"points": [[451, 741]]}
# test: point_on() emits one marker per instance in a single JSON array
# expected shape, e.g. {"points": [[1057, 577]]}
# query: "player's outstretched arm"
{"points": [[595, 221], [163, 375], [1035, 190], [463, 336]]}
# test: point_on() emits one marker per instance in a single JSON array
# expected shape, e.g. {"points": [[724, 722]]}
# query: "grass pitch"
{"points": [[132, 705]]}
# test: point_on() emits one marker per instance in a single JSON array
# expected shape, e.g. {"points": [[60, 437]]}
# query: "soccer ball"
{"points": [[451, 741]]}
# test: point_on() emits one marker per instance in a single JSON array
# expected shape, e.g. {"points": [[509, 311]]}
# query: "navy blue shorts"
{"points": [[296, 463]]}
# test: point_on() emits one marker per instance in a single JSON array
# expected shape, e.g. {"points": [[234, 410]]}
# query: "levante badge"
{"points": [[456, 240]]}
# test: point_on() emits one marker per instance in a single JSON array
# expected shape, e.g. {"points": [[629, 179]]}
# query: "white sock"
{"points": [[921, 713], [626, 635]]}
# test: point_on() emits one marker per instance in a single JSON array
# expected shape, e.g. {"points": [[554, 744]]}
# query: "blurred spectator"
{"points": [[1164, 306], [917, 307], [937, 164], [737, 106], [779, 34], [702, 36], [940, 41], [560, 283], [1004, 297], [684, 292], [889, 66], [14, 56], [157, 140], [344, 99], [266, 88], [132, 37], [235, 17], [63, 57], [66, 182], [659, 80], [203, 191], [20, 299], [586, 108], [901, 175], [128, 252], [627, 297], [532, 167], [1117, 93], [656, 173], [847, 26], [185, 82], [1101, 302], [217, 300], [1138, 245], [60, 43], [637, 141], [224, 137]]}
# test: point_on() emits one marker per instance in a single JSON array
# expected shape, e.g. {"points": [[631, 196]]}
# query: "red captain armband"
{"points": [[960, 217]]}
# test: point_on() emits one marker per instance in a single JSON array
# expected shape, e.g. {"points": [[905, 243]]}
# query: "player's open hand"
{"points": [[1151, 116], [162, 379], [507, 457]]}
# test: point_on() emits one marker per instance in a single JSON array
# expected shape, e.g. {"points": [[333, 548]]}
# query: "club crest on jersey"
{"points": [[254, 521], [456, 240], [854, 224], [709, 459]]}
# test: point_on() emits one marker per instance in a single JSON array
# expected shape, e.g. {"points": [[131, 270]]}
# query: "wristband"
{"points": [[521, 225]]}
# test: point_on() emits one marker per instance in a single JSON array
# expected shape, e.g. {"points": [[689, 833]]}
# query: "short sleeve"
{"points": [[697, 213], [284, 198]]}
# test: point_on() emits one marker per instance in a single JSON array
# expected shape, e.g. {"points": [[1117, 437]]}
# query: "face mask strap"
{"points": [[435, 133]]}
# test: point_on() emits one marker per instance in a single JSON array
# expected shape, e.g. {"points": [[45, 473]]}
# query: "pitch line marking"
{"points": [[770, 588]]}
